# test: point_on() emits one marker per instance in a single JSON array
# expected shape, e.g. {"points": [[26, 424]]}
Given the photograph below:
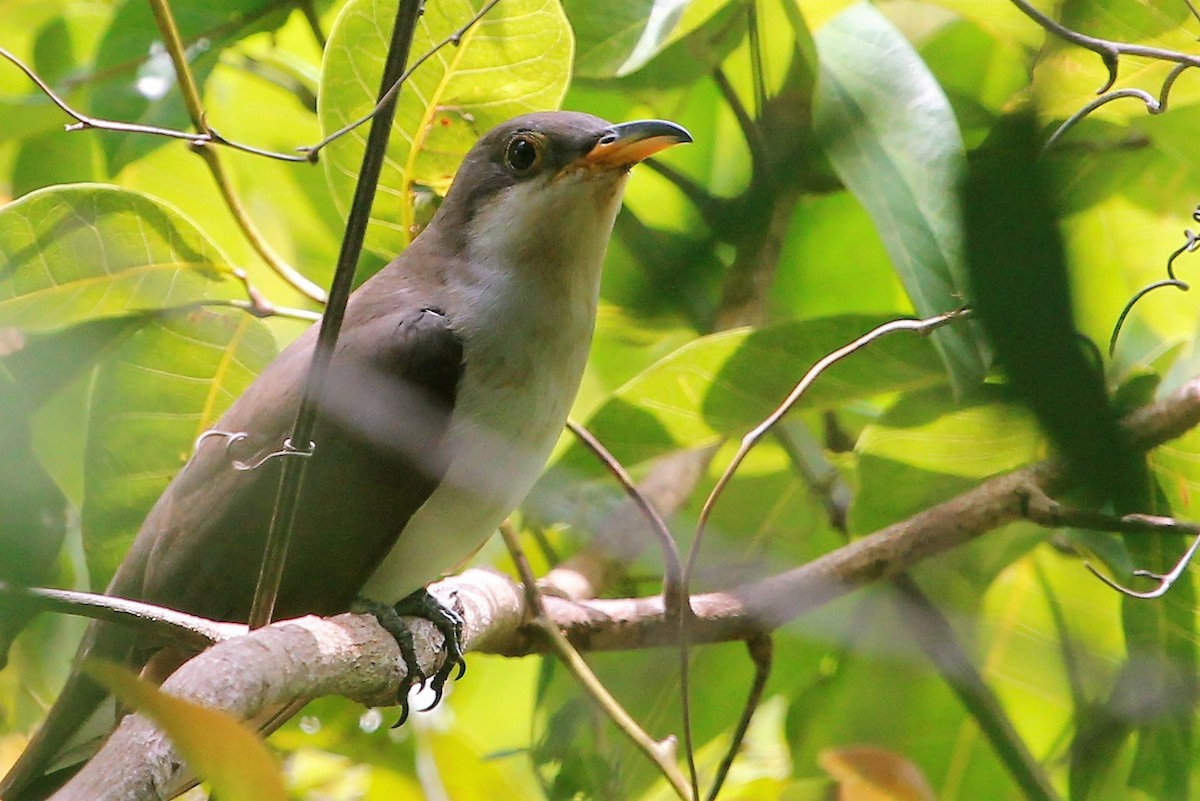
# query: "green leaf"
{"points": [[1068, 77], [152, 397], [979, 73], [515, 60], [891, 135], [220, 749], [138, 79], [616, 39], [927, 448], [84, 252], [1160, 638], [50, 158], [682, 59], [724, 384]]}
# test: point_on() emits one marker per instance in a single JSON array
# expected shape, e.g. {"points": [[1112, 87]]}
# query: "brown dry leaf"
{"points": [[864, 773]]}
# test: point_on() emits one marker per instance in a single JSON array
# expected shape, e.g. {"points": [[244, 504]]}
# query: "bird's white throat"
{"points": [[529, 308]]}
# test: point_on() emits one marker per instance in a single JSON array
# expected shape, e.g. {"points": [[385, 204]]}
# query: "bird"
{"points": [[451, 381]]}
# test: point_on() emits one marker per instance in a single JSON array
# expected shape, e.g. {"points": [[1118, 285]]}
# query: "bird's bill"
{"points": [[630, 142]]}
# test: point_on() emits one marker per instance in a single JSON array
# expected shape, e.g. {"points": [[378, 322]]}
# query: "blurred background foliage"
{"points": [[821, 198]]}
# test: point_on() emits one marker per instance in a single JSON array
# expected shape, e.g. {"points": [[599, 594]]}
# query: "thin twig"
{"points": [[672, 568], [86, 121], [762, 654], [1141, 293], [674, 599], [1045, 511], [311, 151], [1153, 106], [751, 439], [287, 272], [165, 21], [661, 754], [189, 631], [250, 307], [1109, 51]]}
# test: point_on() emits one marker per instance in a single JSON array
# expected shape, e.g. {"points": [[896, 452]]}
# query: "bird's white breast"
{"points": [[526, 328]]}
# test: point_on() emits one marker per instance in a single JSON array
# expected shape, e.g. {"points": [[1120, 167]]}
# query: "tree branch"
{"points": [[352, 656]]}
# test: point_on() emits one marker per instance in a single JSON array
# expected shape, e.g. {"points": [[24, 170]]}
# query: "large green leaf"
{"points": [[153, 396], [724, 384], [891, 135], [516, 59], [137, 81], [84, 252]]}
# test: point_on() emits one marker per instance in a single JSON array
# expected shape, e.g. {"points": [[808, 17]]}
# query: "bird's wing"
{"points": [[386, 408]]}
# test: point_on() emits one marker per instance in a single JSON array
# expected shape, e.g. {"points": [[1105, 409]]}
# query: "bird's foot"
{"points": [[444, 619]]}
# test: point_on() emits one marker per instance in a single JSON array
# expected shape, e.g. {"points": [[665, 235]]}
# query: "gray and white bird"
{"points": [[453, 375]]}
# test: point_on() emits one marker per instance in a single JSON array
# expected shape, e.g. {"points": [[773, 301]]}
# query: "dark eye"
{"points": [[523, 153]]}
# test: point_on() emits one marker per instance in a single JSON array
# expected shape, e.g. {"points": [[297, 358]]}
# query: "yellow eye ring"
{"points": [[524, 152]]}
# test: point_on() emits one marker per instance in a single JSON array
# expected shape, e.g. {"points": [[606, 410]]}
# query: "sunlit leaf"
{"points": [[724, 384], [218, 748], [892, 138], [516, 59], [980, 74], [75, 253], [1069, 76], [616, 39], [926, 449]]}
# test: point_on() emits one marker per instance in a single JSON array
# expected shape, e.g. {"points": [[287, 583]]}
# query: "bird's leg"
{"points": [[422, 604], [391, 622], [444, 619]]}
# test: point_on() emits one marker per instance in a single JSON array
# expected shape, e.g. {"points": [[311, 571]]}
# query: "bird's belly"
{"points": [[499, 448]]}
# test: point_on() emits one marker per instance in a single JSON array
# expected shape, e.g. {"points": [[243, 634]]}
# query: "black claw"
{"points": [[450, 624], [391, 622], [444, 619], [400, 721]]}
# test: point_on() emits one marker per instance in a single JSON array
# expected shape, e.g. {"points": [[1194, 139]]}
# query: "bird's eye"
{"points": [[523, 153]]}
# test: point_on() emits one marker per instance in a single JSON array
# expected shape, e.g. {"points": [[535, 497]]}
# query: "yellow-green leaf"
{"points": [[515, 60], [89, 251], [218, 748]]}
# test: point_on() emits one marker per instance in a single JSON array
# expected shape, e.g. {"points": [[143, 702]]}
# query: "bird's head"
{"points": [[544, 188]]}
